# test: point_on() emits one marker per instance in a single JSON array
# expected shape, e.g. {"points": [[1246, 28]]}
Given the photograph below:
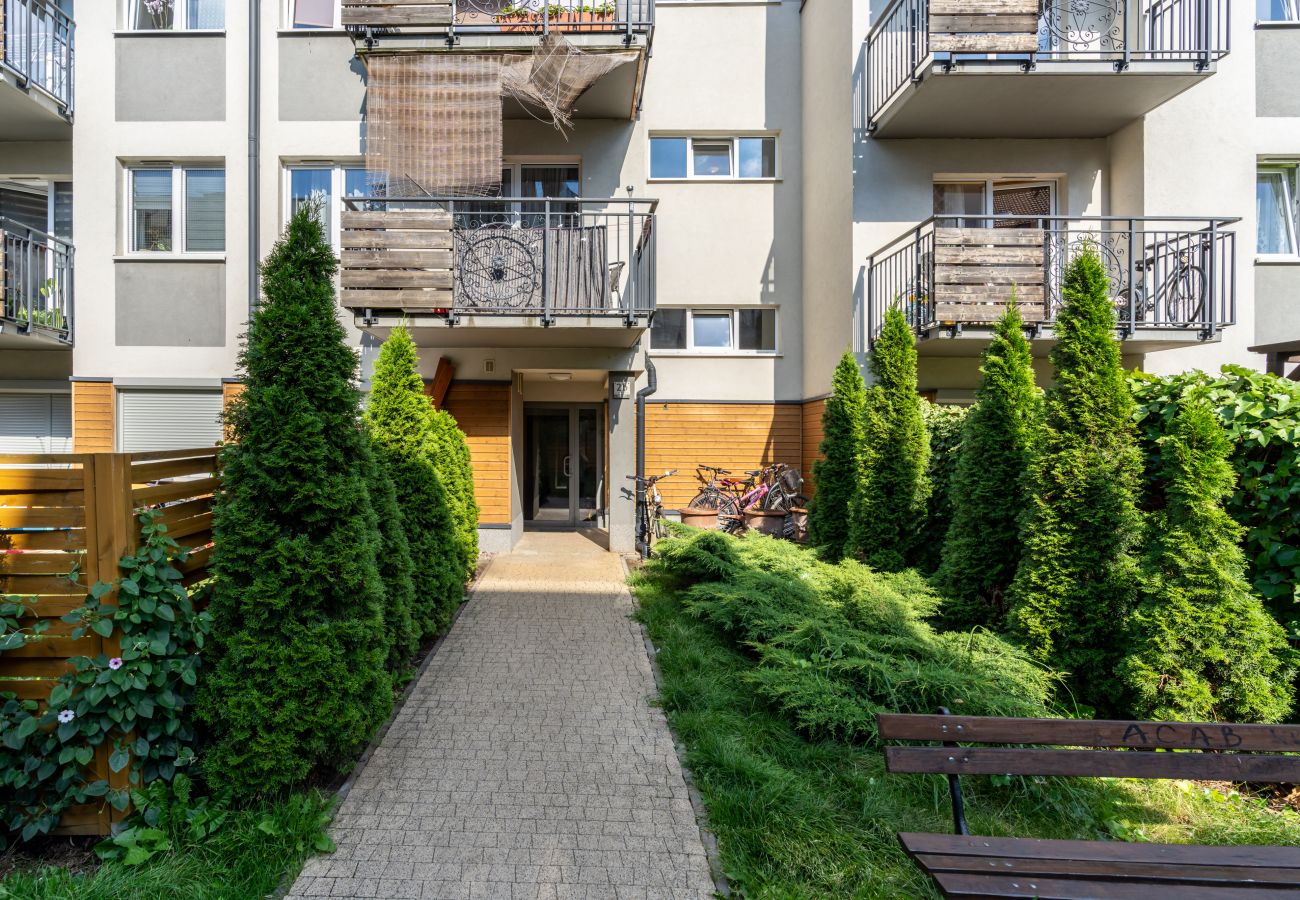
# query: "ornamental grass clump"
{"points": [[1076, 583], [1203, 647], [836, 644], [399, 419], [299, 650]]}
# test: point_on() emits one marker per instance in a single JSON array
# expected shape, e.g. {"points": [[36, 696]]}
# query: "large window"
{"points": [[748, 330], [1278, 10], [177, 15], [1278, 210], [177, 209], [326, 186], [713, 158], [313, 13]]}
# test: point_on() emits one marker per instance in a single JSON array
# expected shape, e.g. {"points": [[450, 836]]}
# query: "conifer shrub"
{"points": [[449, 453], [836, 471], [838, 643], [1203, 647], [943, 425], [981, 552], [298, 651], [1075, 584], [395, 567], [399, 419], [893, 489]]}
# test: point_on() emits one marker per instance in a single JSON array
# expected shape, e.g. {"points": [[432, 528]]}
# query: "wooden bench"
{"points": [[964, 865]]}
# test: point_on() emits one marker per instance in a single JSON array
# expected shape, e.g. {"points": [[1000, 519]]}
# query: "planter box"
{"points": [[700, 518], [586, 21], [765, 521]]}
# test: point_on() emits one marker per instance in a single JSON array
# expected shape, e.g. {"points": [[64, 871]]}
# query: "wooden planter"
{"points": [[765, 521], [800, 516], [589, 21], [700, 518]]}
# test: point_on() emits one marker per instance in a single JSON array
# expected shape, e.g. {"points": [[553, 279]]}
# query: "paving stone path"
{"points": [[527, 762]]}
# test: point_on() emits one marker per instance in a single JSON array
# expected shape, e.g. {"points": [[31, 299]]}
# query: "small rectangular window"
{"points": [[178, 15], [668, 157], [711, 159], [757, 157], [1277, 211], [711, 330], [1278, 10], [151, 209], [312, 186], [205, 210], [757, 329], [668, 332], [313, 13]]}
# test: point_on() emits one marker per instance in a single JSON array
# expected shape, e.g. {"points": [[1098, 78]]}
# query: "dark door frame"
{"points": [[575, 484]]}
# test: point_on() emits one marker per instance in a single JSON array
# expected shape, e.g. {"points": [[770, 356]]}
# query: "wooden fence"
{"points": [[75, 514]]}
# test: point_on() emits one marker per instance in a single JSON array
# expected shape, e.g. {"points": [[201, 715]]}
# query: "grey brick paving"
{"points": [[527, 763]]}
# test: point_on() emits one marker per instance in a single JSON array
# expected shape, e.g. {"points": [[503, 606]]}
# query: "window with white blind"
{"points": [[177, 15], [167, 419], [35, 422], [176, 209]]}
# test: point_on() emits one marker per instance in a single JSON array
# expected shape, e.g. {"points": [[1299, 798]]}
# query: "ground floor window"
{"points": [[168, 419], [1277, 210], [747, 330], [35, 422]]}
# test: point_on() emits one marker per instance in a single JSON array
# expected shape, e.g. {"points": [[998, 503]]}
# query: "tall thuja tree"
{"points": [[1203, 645], [298, 648], [836, 471], [396, 567], [449, 453], [889, 507], [398, 418], [1075, 584], [989, 488]]}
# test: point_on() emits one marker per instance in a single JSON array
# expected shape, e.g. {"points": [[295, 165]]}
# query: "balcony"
{"points": [[505, 264], [35, 288], [1034, 68], [36, 71], [1173, 281]]}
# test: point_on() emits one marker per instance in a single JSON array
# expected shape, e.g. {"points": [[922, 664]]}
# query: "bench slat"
{"points": [[1087, 733], [1096, 763], [1209, 873], [1179, 854], [970, 885]]}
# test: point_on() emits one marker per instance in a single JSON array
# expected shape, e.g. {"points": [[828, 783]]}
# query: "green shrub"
{"points": [[943, 425], [399, 419], [837, 644], [836, 472], [1204, 647], [889, 506], [982, 548], [449, 453], [1075, 584], [299, 652], [395, 567], [1261, 414]]}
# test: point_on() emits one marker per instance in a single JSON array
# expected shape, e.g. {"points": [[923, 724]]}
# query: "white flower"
{"points": [[67, 716]]}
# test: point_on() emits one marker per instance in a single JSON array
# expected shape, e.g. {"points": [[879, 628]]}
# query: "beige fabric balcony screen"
{"points": [[554, 76], [433, 123]]}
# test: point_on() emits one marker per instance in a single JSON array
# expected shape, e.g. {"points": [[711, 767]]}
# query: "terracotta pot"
{"points": [[700, 518], [800, 516], [765, 521]]}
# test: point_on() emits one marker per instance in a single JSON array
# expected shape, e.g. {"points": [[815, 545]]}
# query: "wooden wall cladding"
{"points": [[483, 413], [396, 13], [812, 441], [92, 416]]}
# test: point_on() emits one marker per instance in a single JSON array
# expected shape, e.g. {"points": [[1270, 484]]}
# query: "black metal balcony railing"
{"points": [[35, 281], [38, 46], [902, 42], [535, 17], [1166, 275], [520, 256]]}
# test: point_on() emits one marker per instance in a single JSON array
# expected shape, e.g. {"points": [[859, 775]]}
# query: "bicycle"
{"points": [[784, 492], [1182, 293], [650, 508], [720, 493]]}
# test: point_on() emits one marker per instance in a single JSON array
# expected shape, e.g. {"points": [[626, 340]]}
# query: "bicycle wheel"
{"points": [[709, 498], [730, 519], [1186, 296]]}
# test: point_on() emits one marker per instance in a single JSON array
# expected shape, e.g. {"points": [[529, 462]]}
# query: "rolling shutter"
{"points": [[168, 419], [35, 423]]}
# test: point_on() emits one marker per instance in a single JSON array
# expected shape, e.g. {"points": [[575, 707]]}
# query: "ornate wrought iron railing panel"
{"points": [[38, 45], [542, 16], [1163, 274], [35, 281]]}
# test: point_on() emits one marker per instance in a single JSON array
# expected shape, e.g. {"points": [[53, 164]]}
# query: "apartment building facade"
{"points": [[738, 191]]}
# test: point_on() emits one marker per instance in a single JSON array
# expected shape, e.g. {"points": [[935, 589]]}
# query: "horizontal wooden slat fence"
{"points": [[65, 521]]}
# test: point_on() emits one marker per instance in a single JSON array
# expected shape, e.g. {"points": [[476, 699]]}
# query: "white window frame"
{"points": [[1291, 193], [992, 183], [179, 174], [180, 19], [288, 7], [734, 349], [732, 139], [1291, 14], [338, 180]]}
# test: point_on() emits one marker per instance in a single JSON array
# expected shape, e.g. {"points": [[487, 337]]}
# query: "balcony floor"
{"points": [[1057, 99], [939, 341], [513, 331], [29, 114]]}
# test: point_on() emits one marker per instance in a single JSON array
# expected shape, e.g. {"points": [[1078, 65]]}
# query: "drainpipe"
{"points": [[643, 521], [254, 148]]}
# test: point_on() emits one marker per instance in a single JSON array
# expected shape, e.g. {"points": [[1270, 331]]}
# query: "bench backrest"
{"points": [[1251, 750]]}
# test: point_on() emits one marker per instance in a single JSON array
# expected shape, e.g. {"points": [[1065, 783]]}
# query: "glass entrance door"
{"points": [[563, 479]]}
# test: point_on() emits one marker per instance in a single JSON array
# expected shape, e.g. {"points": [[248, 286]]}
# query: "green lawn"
{"points": [[796, 818], [247, 858]]}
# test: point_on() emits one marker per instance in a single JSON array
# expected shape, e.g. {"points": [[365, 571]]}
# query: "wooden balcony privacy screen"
{"points": [[76, 512]]}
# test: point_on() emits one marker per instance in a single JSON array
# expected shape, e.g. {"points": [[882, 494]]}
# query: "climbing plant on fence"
{"points": [[138, 703], [1261, 415]]}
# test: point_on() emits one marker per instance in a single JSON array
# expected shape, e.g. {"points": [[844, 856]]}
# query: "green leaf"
{"points": [[28, 727], [119, 759], [103, 627], [324, 844]]}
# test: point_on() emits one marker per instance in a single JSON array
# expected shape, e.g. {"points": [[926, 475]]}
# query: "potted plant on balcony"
{"points": [[161, 13], [587, 18]]}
